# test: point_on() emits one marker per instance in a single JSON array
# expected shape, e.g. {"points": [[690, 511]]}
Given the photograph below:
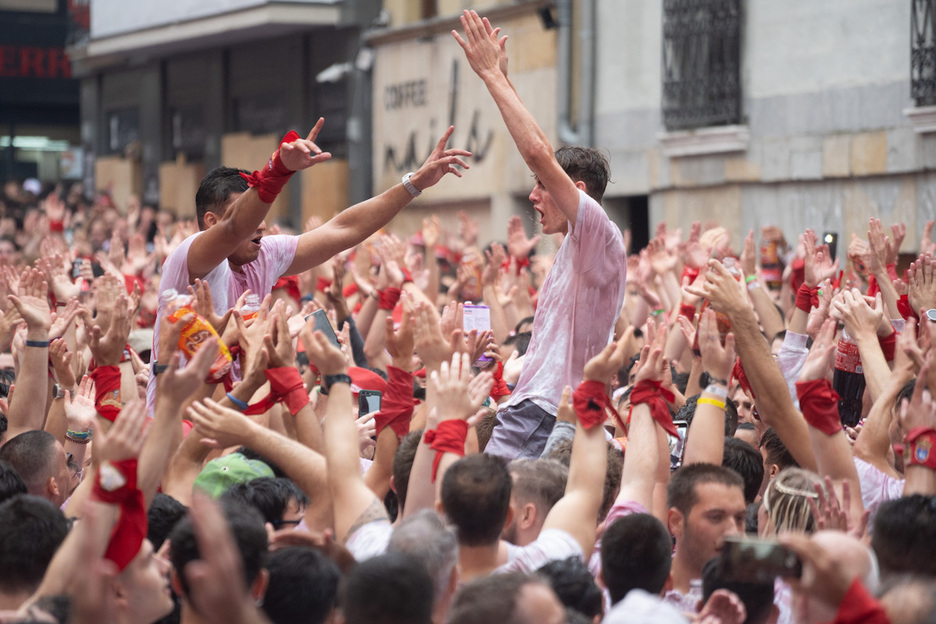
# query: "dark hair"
{"points": [[246, 526], [392, 588], [746, 461], [905, 393], [520, 342], [574, 585], [687, 413], [11, 483], [303, 586], [636, 552], [539, 481], [758, 598], [489, 599], [777, 452], [268, 495], [485, 428], [523, 321], [215, 191], [403, 464], [588, 165], [476, 498], [31, 454], [33, 529], [163, 514], [904, 536], [249, 453], [681, 492]]}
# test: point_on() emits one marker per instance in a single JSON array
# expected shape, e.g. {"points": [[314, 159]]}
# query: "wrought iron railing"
{"points": [[701, 63], [923, 52]]}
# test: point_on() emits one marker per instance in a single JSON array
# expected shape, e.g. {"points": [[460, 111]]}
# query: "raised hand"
{"points": [[603, 366], [400, 342], [921, 287], [717, 359], [177, 383], [278, 343], [61, 360], [107, 348], [927, 246], [125, 438], [519, 245], [303, 153], [440, 162], [724, 292], [451, 385], [33, 300], [79, 406], [819, 361], [481, 48], [219, 426], [749, 255], [832, 515], [326, 357], [899, 231], [430, 342], [203, 304], [696, 255], [857, 314], [62, 321]]}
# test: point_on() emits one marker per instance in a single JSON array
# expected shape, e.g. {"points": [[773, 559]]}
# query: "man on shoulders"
{"points": [[584, 291], [230, 252]]}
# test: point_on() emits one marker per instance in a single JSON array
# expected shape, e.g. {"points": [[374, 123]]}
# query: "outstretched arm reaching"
{"points": [[485, 54]]}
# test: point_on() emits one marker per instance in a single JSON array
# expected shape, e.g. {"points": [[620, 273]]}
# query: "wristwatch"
{"points": [[931, 314], [408, 185]]}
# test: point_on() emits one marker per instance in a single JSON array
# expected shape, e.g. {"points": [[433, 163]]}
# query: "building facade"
{"points": [[170, 90]]}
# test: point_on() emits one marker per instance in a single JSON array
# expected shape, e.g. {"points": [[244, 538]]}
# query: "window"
{"points": [[923, 52], [701, 63]]}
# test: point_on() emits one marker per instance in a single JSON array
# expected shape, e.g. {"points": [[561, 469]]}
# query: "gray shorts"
{"points": [[522, 431]]}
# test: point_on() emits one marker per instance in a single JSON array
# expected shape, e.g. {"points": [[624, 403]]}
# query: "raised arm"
{"points": [[484, 54], [353, 225], [576, 513], [242, 218]]}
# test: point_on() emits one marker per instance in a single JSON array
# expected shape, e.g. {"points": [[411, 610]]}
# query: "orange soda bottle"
{"points": [[195, 333]]}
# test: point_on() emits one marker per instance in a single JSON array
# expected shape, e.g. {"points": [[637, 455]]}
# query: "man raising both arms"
{"points": [[584, 291], [230, 252]]}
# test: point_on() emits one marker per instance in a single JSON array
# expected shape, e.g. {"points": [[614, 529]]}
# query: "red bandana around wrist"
{"points": [[322, 284], [388, 298], [286, 386], [650, 392], [921, 442], [522, 263], [807, 298], [131, 527], [396, 408], [448, 437], [738, 373], [688, 311], [819, 404], [107, 391], [689, 274], [888, 345], [499, 390], [270, 180], [590, 400]]}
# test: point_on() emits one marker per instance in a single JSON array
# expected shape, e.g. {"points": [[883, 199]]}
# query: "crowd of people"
{"points": [[233, 422]]}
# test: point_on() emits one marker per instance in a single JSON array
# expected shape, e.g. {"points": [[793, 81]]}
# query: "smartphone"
{"points": [[677, 444], [323, 325], [76, 269], [831, 239], [477, 317], [757, 561], [368, 402]]}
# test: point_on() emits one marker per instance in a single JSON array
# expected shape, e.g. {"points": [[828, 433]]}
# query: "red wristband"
{"points": [[819, 404], [655, 397], [522, 263], [807, 298], [270, 180], [56, 226], [590, 400], [687, 310], [888, 345], [107, 391], [689, 274], [286, 386], [322, 284], [448, 437], [397, 406], [499, 390], [388, 298], [921, 442], [131, 527]]}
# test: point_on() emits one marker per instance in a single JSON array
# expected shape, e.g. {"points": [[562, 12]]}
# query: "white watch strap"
{"points": [[415, 192]]}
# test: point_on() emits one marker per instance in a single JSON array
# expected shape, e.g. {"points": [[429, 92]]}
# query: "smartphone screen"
{"points": [[757, 561], [323, 325], [831, 239], [368, 402], [477, 317]]}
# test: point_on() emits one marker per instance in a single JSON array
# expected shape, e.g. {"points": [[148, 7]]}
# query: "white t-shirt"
{"points": [[578, 306], [551, 545], [276, 255]]}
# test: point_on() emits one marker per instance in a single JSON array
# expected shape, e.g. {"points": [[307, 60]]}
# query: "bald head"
{"points": [[853, 555]]}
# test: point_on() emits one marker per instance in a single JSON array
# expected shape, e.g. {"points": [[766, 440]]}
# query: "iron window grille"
{"points": [[701, 63], [923, 52]]}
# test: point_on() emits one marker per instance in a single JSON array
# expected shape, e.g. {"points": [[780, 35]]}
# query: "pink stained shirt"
{"points": [[578, 306], [276, 255]]}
